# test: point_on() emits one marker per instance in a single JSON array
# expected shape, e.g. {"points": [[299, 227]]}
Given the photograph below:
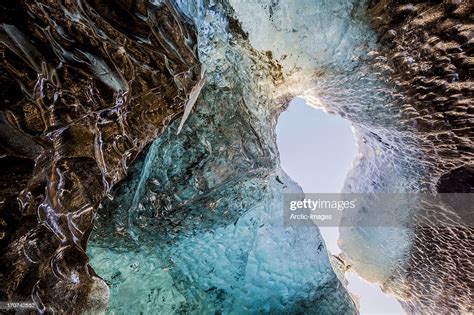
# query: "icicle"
{"points": [[193, 96]]}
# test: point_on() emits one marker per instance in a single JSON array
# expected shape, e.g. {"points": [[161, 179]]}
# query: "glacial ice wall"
{"points": [[202, 208], [86, 85], [402, 73], [327, 51], [335, 56], [195, 222]]}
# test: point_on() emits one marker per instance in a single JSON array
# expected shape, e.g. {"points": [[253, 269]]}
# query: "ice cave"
{"points": [[141, 171]]}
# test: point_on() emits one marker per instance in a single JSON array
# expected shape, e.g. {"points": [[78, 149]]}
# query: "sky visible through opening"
{"points": [[317, 150]]}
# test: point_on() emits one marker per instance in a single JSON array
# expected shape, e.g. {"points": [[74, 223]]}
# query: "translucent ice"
{"points": [[194, 223], [198, 225]]}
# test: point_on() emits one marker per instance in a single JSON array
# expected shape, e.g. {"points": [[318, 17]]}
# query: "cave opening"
{"points": [[317, 150]]}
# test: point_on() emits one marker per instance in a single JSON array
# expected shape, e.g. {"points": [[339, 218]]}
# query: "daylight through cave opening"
{"points": [[317, 150]]}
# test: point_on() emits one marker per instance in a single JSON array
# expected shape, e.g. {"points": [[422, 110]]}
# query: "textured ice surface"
{"points": [[199, 221], [206, 201], [410, 100], [87, 85], [245, 265], [324, 48], [307, 35]]}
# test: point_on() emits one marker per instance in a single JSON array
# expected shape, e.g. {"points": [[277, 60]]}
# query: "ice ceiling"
{"points": [[107, 203]]}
